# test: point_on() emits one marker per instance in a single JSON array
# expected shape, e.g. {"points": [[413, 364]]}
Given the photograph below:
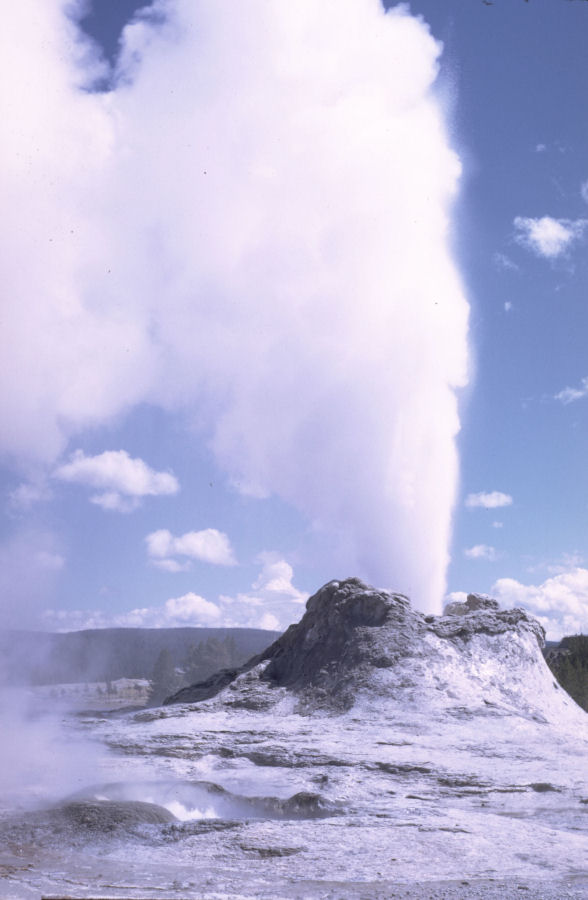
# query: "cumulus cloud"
{"points": [[191, 608], [209, 545], [236, 233], [481, 551], [546, 236], [560, 603], [122, 480], [571, 394], [490, 500], [273, 602]]}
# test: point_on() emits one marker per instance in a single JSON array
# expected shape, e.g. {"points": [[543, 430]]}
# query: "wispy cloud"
{"points": [[27, 494], [546, 236], [571, 394], [122, 481], [566, 563], [209, 545], [47, 560], [584, 190], [502, 261], [560, 603], [481, 551], [488, 500]]}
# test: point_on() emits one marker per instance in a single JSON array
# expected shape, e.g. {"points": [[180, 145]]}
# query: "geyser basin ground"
{"points": [[459, 762]]}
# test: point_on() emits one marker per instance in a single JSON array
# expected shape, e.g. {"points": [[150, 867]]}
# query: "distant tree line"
{"points": [[569, 663], [105, 655], [200, 661]]}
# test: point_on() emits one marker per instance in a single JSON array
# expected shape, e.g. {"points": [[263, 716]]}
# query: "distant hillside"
{"points": [[32, 657], [568, 661]]}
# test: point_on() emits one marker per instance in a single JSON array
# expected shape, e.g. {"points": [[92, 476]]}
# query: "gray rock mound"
{"points": [[351, 631], [473, 603], [106, 816], [77, 822]]}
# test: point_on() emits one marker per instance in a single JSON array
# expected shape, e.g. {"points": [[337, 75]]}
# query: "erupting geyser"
{"points": [[271, 259]]}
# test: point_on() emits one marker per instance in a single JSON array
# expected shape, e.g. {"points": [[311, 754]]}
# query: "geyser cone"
{"points": [[355, 641]]}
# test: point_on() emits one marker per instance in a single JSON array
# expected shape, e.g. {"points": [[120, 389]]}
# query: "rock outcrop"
{"points": [[355, 639], [473, 603]]}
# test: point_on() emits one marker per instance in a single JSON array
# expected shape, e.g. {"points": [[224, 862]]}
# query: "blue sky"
{"points": [[283, 307]]}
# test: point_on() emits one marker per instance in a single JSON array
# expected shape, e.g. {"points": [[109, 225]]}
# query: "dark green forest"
{"points": [[568, 661], [200, 661]]}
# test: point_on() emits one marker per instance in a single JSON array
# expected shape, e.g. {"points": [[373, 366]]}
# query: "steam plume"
{"points": [[252, 228]]}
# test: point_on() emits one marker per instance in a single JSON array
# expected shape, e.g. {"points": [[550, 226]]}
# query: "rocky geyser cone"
{"points": [[355, 639]]}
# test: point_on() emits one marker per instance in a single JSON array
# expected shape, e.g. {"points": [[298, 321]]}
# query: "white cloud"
{"points": [[488, 500], [584, 190], [560, 603], [497, 524], [546, 236], [122, 480], [269, 622], [159, 543], [113, 502], [192, 609], [571, 394], [273, 602], [265, 279], [275, 579], [209, 545], [507, 306], [172, 565], [481, 551]]}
